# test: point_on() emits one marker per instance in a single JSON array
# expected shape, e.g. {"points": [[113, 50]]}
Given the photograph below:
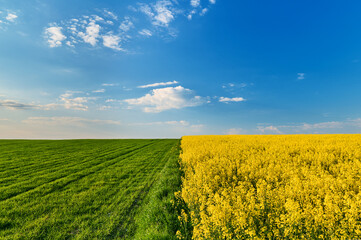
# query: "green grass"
{"points": [[88, 189], [158, 215]]}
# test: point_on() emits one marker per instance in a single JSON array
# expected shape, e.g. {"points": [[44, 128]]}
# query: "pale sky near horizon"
{"points": [[169, 68]]}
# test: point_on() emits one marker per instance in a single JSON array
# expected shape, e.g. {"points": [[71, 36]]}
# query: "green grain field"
{"points": [[88, 189]]}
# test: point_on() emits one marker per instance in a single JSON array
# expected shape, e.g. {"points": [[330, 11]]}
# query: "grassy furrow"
{"points": [[43, 159], [49, 182], [97, 198]]}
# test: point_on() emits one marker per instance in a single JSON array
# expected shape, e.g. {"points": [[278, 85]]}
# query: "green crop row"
{"points": [[84, 189]]}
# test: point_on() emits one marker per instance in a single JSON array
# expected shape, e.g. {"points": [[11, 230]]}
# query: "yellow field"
{"points": [[259, 187]]}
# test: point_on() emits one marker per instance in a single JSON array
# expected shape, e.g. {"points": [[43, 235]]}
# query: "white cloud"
{"points": [[301, 76], [173, 123], [11, 17], [231, 86], [212, 1], [99, 91], [204, 11], [75, 103], [181, 127], [69, 44], [195, 3], [323, 125], [145, 32], [269, 130], [109, 84], [235, 99], [164, 14], [92, 29], [97, 18], [116, 32], [147, 10], [161, 13], [158, 84], [235, 131], [182, 123], [62, 127], [55, 36], [347, 126], [165, 99], [110, 14], [126, 25], [72, 121], [15, 105], [190, 15], [112, 41], [104, 107], [92, 33]]}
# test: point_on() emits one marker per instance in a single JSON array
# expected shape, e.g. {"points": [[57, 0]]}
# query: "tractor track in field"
{"points": [[94, 189], [29, 167], [53, 188], [134, 205], [70, 163]]}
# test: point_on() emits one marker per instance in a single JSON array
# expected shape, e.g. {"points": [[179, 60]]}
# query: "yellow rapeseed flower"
{"points": [[273, 187]]}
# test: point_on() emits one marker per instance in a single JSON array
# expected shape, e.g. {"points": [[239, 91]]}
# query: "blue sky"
{"points": [[168, 68]]}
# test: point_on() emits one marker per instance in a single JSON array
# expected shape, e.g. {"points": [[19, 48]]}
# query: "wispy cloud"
{"points": [[165, 99], [198, 7], [90, 30], [107, 29], [91, 33], [54, 36], [11, 17], [105, 107], [112, 41], [325, 125], [7, 17], [15, 105], [109, 84], [300, 76], [183, 127], [75, 103], [160, 13], [99, 91], [349, 125], [235, 99], [195, 3], [72, 121], [269, 130], [110, 14], [234, 85], [158, 84], [126, 24], [173, 123], [235, 131], [145, 32], [67, 100], [204, 11], [190, 14]]}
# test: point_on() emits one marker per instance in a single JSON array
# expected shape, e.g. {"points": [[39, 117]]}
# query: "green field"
{"points": [[88, 189]]}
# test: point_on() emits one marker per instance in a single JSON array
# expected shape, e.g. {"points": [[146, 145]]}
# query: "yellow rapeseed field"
{"points": [[273, 187]]}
